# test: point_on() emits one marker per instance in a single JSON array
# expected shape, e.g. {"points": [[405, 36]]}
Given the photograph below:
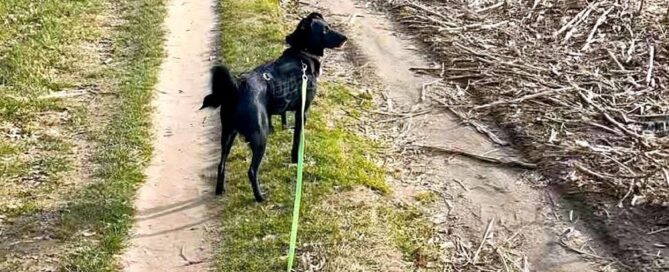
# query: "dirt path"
{"points": [[173, 205], [477, 192]]}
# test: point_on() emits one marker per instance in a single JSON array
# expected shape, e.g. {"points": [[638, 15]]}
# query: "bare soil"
{"points": [[174, 206]]}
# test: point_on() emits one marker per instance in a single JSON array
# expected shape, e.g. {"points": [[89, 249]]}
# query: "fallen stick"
{"points": [[188, 261], [461, 184], [61, 95], [419, 7], [485, 237], [658, 230], [564, 244], [401, 116], [483, 130], [479, 127], [607, 129], [613, 57], [494, 6], [651, 60], [521, 99], [599, 22], [575, 19], [502, 161], [423, 90], [472, 26], [605, 176], [350, 20], [608, 117]]}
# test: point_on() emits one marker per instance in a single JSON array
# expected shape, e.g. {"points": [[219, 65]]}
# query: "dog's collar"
{"points": [[313, 61]]}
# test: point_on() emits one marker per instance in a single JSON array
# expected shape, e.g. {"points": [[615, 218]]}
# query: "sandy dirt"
{"points": [[484, 191], [174, 206]]}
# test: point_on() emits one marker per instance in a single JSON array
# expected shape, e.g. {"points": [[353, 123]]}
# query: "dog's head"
{"points": [[313, 34]]}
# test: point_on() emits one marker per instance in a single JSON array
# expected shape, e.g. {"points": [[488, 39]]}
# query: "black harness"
{"points": [[283, 80]]}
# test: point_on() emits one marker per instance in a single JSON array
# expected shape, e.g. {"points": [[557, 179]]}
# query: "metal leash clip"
{"points": [[304, 71]]}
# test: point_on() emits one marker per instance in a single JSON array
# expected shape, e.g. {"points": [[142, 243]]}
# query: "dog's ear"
{"points": [[297, 38], [294, 39]]}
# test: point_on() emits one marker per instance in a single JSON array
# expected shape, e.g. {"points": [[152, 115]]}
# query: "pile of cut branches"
{"points": [[581, 86]]}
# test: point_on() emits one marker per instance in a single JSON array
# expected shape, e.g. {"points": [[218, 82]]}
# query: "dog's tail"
{"points": [[223, 88]]}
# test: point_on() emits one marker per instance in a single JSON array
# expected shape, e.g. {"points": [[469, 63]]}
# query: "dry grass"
{"points": [[579, 86]]}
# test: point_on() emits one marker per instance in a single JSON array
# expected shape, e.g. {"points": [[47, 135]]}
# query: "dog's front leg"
{"points": [[296, 136]]}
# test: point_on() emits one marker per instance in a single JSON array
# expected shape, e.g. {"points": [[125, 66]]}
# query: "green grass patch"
{"points": [[339, 171], [52, 46], [40, 52], [124, 146]]}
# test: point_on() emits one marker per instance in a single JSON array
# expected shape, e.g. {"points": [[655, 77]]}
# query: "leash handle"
{"points": [[300, 165]]}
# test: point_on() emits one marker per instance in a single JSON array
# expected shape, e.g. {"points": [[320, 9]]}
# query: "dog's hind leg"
{"points": [[227, 139], [257, 145], [269, 121]]}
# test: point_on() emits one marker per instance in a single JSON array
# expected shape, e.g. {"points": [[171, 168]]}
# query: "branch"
{"points": [[521, 99], [502, 161]]}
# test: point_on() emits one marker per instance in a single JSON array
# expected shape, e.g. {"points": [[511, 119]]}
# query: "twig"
{"points": [[608, 117], [503, 259], [613, 57], [479, 127], [423, 90], [472, 26], [521, 99], [608, 129], [400, 116], [502, 161], [425, 9], [629, 191], [564, 244], [651, 61], [461, 184], [188, 261], [482, 129], [485, 237], [553, 205], [600, 21], [350, 20], [61, 95], [573, 21], [658, 231], [494, 6]]}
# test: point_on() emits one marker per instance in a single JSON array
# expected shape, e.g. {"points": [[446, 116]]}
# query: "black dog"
{"points": [[270, 89]]}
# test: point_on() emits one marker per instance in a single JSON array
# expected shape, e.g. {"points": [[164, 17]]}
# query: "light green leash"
{"points": [[298, 185]]}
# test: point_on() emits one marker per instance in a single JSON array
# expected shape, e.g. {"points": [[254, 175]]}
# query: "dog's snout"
{"points": [[343, 40]]}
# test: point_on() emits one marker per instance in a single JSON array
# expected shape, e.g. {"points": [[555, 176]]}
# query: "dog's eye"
{"points": [[326, 29]]}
